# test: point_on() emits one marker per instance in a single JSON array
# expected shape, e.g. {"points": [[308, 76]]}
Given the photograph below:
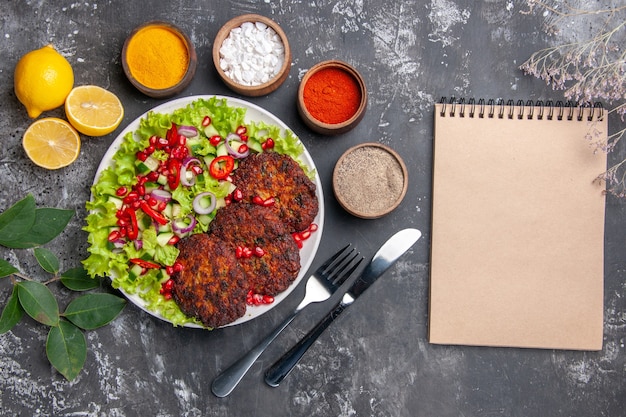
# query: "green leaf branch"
{"points": [[24, 226]]}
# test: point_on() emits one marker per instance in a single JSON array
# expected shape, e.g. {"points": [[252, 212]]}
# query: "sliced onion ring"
{"points": [[181, 228], [187, 162], [233, 152], [161, 195], [197, 203], [187, 131]]}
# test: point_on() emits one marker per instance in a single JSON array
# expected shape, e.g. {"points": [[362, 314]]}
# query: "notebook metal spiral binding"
{"points": [[497, 108]]}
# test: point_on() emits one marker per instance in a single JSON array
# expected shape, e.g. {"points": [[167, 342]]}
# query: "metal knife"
{"points": [[386, 256]]}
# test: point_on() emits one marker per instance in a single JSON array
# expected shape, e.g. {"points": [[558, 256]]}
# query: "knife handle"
{"points": [[282, 367]]}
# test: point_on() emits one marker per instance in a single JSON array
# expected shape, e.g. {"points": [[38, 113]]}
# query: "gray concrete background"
{"points": [[375, 361]]}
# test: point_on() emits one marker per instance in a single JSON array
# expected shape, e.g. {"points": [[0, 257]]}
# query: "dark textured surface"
{"points": [[375, 360]]}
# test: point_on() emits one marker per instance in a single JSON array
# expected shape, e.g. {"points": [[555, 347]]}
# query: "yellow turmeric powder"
{"points": [[157, 57]]}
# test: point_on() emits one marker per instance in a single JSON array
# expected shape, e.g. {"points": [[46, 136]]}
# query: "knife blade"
{"points": [[384, 258]]}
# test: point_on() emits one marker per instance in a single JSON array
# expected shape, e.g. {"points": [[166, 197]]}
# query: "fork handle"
{"points": [[226, 382], [282, 367]]}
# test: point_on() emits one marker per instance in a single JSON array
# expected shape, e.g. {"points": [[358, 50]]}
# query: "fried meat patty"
{"points": [[212, 286], [254, 227], [270, 174]]}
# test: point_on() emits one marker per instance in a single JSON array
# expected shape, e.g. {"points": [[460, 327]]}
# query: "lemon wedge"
{"points": [[93, 110], [51, 143]]}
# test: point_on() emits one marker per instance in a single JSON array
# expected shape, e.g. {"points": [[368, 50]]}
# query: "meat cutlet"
{"points": [[273, 260], [212, 286], [278, 176]]}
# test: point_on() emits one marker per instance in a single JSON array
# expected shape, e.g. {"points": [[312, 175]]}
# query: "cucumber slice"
{"points": [[134, 272], [210, 130], [164, 238]]}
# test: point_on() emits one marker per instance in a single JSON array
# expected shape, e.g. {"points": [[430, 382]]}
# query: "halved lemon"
{"points": [[51, 143], [93, 110]]}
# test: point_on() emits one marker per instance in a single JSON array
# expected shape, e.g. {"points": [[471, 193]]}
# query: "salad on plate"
{"points": [[163, 179]]}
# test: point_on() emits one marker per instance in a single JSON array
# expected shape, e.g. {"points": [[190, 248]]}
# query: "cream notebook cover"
{"points": [[517, 248]]}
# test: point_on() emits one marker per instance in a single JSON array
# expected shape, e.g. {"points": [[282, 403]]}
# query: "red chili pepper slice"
{"points": [[158, 217], [172, 135], [132, 230], [173, 178], [221, 167], [145, 264]]}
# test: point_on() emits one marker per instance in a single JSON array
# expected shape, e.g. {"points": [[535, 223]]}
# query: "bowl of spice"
{"points": [[159, 59], [251, 54], [332, 97], [370, 180]]}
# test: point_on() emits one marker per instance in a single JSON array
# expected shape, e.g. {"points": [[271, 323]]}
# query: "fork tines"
{"points": [[335, 267]]}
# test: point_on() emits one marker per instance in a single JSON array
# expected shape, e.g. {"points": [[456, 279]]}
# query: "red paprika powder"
{"points": [[332, 95]]}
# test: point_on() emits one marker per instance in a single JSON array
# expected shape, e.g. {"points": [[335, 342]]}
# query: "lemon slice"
{"points": [[51, 143], [93, 110]]}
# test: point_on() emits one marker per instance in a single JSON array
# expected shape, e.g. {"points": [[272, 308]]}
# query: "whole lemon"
{"points": [[43, 79]]}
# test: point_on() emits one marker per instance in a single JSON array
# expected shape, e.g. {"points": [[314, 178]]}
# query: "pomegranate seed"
{"points": [[244, 138], [243, 148], [150, 150], [215, 140], [257, 299], [131, 197], [154, 139], [305, 235], [140, 189], [268, 144], [173, 240], [114, 235], [169, 270], [121, 192], [237, 195], [153, 176], [178, 267], [141, 156], [239, 252], [259, 252], [313, 227], [206, 121], [241, 130], [161, 206], [268, 299], [257, 200], [152, 201]]}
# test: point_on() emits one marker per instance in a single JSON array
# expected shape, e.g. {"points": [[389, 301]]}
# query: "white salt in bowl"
{"points": [[370, 180], [259, 44]]}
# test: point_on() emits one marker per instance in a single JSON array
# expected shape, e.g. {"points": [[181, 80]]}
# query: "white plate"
{"points": [[254, 113]]}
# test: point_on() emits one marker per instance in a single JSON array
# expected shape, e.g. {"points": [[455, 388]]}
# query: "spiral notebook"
{"points": [[517, 248]]}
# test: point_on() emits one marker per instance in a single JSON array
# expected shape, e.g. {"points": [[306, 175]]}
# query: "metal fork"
{"points": [[319, 287]]}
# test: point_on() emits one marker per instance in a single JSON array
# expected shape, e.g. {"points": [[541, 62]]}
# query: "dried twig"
{"points": [[588, 70]]}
